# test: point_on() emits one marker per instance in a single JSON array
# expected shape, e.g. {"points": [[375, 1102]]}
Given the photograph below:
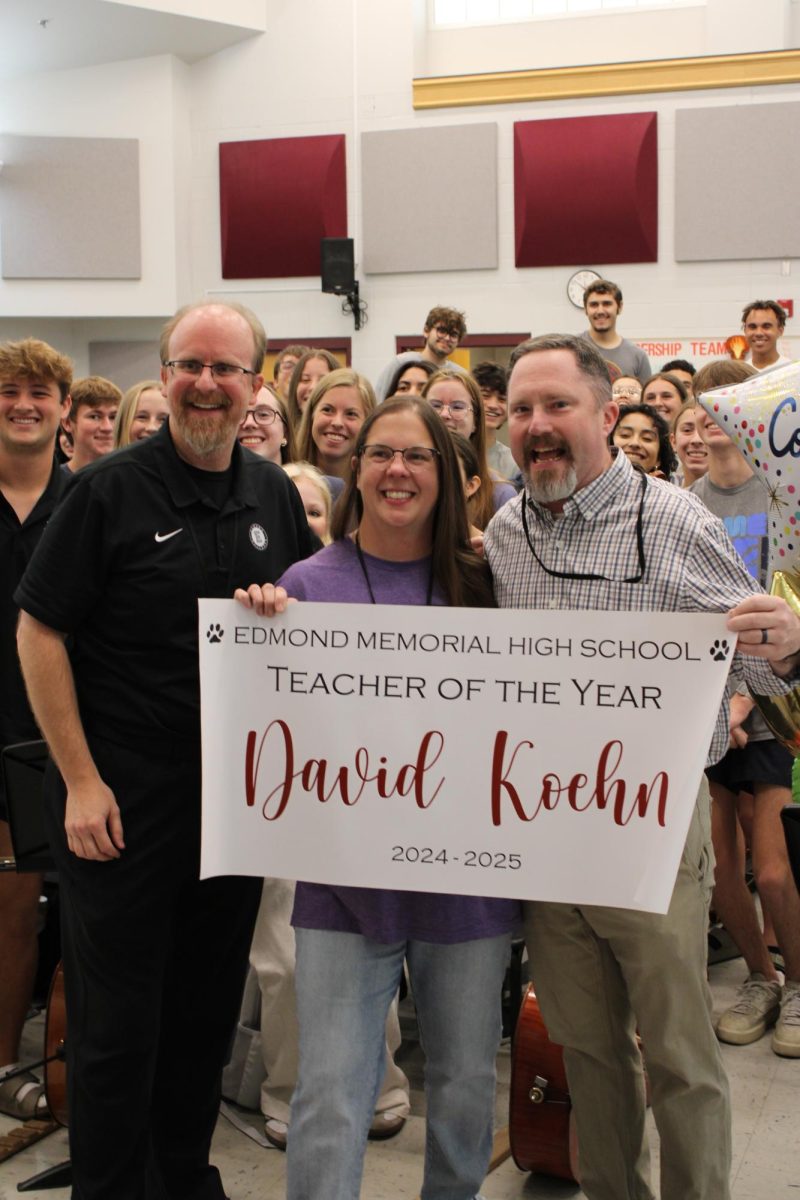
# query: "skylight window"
{"points": [[493, 12]]}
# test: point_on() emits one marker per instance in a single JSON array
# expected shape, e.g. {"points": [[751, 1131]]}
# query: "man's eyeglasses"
{"points": [[416, 458], [193, 368], [444, 331], [456, 407], [626, 391], [262, 415]]}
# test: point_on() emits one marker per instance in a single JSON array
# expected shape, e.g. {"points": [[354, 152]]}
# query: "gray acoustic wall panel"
{"points": [[737, 179], [430, 199], [126, 363], [69, 208]]}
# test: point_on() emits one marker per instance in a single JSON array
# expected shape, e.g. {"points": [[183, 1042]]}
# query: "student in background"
{"points": [[142, 411], [90, 419]]}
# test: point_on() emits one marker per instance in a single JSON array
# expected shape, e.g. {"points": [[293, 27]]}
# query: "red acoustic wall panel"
{"points": [[586, 190], [278, 198]]}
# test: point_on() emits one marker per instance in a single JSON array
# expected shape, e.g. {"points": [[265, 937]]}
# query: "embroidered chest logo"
{"points": [[164, 537], [258, 536]]}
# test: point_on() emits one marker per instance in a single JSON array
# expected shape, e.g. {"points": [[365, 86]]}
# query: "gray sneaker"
{"points": [[758, 1003], [786, 1038]]}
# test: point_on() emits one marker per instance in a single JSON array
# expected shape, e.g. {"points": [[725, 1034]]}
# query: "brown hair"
{"points": [[605, 288], [483, 510], [720, 372], [293, 351], [35, 360], [588, 360], [677, 383], [91, 392], [295, 415], [289, 451], [463, 577], [341, 377], [465, 451], [681, 413], [451, 317]]}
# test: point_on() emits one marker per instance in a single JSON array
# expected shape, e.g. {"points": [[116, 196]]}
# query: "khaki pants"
{"points": [[600, 973]]}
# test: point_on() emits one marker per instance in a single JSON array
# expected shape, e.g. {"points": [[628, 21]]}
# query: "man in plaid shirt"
{"points": [[591, 532]]}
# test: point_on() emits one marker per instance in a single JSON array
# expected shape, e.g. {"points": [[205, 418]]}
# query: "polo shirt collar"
{"points": [[46, 502], [179, 483]]}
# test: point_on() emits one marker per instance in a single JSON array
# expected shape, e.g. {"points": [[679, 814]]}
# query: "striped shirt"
{"points": [[690, 564]]}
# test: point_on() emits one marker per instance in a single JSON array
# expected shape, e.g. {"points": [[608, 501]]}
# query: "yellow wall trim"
{"points": [[609, 79]]}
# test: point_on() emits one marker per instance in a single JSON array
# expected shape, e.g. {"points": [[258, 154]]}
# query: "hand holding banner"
{"points": [[535, 755]]}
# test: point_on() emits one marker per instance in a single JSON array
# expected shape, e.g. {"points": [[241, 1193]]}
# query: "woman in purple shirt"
{"points": [[410, 546]]}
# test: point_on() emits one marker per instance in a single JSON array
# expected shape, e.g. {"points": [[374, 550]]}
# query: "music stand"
{"points": [[23, 766]]}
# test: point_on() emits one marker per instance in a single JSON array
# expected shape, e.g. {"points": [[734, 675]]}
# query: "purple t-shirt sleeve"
{"points": [[502, 493]]}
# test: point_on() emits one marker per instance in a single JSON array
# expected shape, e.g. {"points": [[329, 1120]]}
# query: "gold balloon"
{"points": [[782, 713]]}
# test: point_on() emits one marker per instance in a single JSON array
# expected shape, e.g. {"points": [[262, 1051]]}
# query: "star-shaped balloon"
{"points": [[762, 417]]}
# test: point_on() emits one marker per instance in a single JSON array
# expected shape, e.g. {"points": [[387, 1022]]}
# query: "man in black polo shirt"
{"points": [[154, 959], [34, 393]]}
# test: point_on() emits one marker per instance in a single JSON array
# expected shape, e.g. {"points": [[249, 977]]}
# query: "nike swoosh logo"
{"points": [[164, 537]]}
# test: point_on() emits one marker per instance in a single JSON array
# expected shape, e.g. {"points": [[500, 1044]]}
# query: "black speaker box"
{"points": [[338, 274]]}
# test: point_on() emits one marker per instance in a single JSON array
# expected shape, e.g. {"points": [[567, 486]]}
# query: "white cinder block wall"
{"points": [[346, 66]]}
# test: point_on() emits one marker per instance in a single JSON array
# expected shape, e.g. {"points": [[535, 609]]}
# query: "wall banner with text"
{"points": [[539, 755]]}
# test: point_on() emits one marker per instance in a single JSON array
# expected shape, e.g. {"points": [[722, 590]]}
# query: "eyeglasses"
{"points": [[626, 391], [262, 415], [193, 368], [443, 331], [416, 458], [456, 407]]}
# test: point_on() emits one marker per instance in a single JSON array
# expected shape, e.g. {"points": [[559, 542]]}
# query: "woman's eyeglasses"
{"points": [[456, 407], [416, 458], [262, 414]]}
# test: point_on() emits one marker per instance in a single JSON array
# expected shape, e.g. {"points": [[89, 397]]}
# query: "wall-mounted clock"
{"points": [[578, 284]]}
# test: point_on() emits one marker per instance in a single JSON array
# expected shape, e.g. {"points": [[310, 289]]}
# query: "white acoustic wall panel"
{"points": [[69, 208], [737, 179], [429, 199], [126, 363]]}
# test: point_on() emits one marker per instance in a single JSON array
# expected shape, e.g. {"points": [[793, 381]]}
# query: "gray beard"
{"points": [[547, 490], [202, 440]]}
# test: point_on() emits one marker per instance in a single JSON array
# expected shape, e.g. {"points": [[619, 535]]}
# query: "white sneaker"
{"points": [[786, 1038], [276, 1132], [758, 1003]]}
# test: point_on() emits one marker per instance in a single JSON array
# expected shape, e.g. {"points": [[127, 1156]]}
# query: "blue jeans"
{"points": [[345, 983]]}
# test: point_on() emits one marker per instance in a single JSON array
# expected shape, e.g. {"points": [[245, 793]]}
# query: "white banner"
{"points": [[539, 755]]}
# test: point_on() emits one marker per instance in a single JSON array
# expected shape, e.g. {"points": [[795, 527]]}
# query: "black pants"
{"points": [[154, 962]]}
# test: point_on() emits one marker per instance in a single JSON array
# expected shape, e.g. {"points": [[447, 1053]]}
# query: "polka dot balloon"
{"points": [[762, 417]]}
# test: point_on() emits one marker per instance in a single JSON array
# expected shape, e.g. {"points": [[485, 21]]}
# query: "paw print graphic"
{"points": [[719, 650], [215, 633]]}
